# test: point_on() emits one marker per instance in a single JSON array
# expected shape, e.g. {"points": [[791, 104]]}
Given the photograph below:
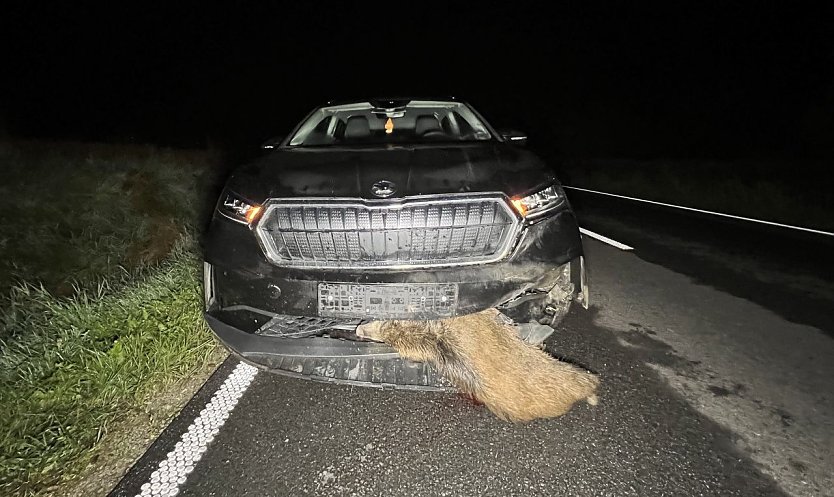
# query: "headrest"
{"points": [[425, 123], [357, 127]]}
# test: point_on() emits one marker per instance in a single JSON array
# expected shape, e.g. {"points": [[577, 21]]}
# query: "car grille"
{"points": [[404, 233]]}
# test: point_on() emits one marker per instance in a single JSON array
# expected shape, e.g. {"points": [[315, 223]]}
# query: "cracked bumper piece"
{"points": [[329, 360]]}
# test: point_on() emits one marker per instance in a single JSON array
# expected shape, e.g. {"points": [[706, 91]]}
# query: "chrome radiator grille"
{"points": [[411, 232]]}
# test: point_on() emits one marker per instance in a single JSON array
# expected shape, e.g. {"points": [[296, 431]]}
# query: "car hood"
{"points": [[417, 170]]}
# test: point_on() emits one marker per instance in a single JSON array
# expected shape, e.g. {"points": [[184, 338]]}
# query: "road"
{"points": [[713, 341]]}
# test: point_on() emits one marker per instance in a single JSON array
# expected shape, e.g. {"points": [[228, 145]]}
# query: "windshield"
{"points": [[417, 121]]}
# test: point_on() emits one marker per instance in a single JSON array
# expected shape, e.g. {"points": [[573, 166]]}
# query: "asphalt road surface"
{"points": [[713, 341]]}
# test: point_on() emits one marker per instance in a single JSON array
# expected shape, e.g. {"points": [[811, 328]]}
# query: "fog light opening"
{"points": [[274, 290]]}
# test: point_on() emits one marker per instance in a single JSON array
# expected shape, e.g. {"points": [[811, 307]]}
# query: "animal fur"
{"points": [[484, 358]]}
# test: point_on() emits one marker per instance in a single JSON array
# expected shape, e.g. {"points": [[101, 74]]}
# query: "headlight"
{"points": [[540, 202], [237, 209]]}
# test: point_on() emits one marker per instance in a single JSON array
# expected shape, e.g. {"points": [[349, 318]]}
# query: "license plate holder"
{"points": [[388, 300]]}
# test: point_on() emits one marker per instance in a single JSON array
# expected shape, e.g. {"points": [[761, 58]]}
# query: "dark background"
{"points": [[627, 79]]}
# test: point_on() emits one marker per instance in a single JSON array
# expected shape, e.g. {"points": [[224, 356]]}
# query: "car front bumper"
{"points": [[245, 295]]}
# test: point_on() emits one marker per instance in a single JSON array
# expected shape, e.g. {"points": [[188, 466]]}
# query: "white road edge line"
{"points": [[173, 471], [605, 239], [702, 211]]}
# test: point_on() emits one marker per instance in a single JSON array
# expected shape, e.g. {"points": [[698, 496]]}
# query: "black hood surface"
{"points": [[415, 170]]}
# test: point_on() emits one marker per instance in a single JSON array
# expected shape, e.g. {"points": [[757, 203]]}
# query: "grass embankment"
{"points": [[101, 306], [787, 193]]}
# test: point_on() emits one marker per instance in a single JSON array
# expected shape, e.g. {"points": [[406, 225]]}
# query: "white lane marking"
{"points": [[702, 211], [172, 472], [605, 239]]}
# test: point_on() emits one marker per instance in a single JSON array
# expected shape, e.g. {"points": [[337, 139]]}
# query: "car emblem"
{"points": [[383, 188]]}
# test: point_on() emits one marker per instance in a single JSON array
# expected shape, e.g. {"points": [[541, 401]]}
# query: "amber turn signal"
{"points": [[252, 214], [519, 206]]}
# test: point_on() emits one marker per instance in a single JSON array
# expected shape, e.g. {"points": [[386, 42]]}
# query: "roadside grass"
{"points": [[782, 193], [75, 365], [100, 299]]}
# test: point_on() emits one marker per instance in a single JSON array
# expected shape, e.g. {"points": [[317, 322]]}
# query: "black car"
{"points": [[384, 209]]}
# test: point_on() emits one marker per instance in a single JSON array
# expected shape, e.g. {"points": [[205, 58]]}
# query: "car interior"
{"points": [[336, 126]]}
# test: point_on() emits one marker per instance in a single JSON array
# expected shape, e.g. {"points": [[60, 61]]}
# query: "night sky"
{"points": [[623, 79]]}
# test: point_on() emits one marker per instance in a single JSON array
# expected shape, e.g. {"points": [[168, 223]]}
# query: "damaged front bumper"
{"points": [[327, 349], [301, 322], [259, 309]]}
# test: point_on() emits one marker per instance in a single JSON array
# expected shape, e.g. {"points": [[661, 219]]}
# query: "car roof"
{"points": [[391, 101]]}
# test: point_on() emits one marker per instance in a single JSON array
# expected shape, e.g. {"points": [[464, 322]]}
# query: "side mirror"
{"points": [[272, 142], [513, 136]]}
